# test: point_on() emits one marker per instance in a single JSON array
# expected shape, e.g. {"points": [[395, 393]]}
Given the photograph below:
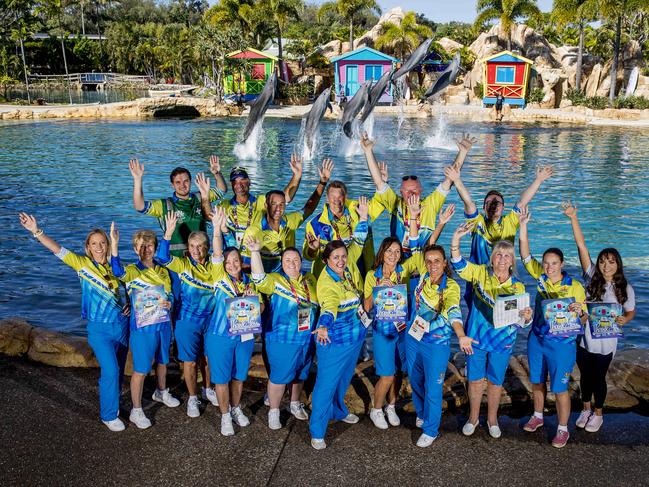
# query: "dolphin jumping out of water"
{"points": [[375, 94], [415, 58], [259, 106], [354, 106], [314, 116], [445, 79]]}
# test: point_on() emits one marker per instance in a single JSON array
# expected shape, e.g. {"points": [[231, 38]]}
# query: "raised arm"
{"points": [[524, 242], [218, 220], [464, 145], [30, 224], [256, 264], [215, 169], [570, 211], [367, 145], [542, 173], [444, 217], [137, 171], [293, 185], [203, 184], [414, 210], [115, 261], [313, 201], [460, 232], [453, 174]]}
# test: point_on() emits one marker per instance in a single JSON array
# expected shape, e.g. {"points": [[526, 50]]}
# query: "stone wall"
{"points": [[628, 376]]}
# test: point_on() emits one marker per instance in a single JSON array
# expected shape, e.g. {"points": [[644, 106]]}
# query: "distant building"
{"points": [[246, 72], [352, 69], [506, 73]]}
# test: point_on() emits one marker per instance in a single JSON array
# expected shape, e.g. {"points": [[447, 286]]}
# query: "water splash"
{"points": [[250, 150], [440, 139]]}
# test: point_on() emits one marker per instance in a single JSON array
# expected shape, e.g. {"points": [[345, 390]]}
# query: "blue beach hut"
{"points": [[352, 69]]}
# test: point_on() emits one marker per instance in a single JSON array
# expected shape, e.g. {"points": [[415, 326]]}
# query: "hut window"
{"points": [[505, 74], [373, 71], [258, 71]]}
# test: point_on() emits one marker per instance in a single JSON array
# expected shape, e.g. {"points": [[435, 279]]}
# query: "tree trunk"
{"points": [[616, 54], [580, 55], [351, 33], [283, 72], [65, 61], [83, 20], [22, 53]]}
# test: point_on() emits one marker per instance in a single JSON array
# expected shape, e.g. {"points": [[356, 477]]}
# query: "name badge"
{"points": [[365, 319], [246, 337], [400, 326], [303, 318], [238, 236], [418, 328]]}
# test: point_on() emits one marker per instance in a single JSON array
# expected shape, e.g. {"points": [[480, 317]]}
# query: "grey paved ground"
{"points": [[51, 435]]}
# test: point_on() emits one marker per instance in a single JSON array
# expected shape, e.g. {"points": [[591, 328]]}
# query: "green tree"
{"points": [[578, 12], [53, 10], [281, 12], [350, 10], [507, 12], [403, 38]]}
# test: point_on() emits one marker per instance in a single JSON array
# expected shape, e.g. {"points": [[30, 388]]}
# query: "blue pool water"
{"points": [[73, 175]]}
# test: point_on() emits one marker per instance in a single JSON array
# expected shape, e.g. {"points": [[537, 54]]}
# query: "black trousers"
{"points": [[593, 368]]}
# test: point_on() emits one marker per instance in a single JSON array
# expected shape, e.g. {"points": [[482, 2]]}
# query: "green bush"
{"points": [[295, 90], [637, 102], [535, 95], [478, 90], [578, 98]]}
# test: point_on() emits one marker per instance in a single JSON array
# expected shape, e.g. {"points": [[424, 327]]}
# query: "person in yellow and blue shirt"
{"points": [[196, 304], [102, 306], [276, 230], [228, 355], [434, 316], [397, 205], [150, 320], [244, 208], [293, 311], [549, 353], [340, 330], [337, 221], [493, 346]]}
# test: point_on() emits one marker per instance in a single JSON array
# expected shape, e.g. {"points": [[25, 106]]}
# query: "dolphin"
{"points": [[354, 106], [259, 106], [314, 116], [375, 94], [415, 58], [446, 78]]}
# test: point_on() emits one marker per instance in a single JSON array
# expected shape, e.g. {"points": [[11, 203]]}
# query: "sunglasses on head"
{"points": [[409, 178]]}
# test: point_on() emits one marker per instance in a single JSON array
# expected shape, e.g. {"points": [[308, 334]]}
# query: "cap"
{"points": [[238, 172]]}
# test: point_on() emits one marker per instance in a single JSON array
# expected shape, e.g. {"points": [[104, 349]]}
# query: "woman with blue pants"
{"points": [[146, 282], [340, 330], [102, 306], [434, 316]]}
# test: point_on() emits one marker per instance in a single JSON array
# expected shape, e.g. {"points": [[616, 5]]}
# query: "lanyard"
{"points": [[348, 224], [235, 288], [306, 291], [235, 216], [420, 289], [398, 276], [348, 280]]}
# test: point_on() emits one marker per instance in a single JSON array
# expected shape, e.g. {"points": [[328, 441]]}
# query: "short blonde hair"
{"points": [[508, 247], [97, 231], [144, 236], [199, 235]]}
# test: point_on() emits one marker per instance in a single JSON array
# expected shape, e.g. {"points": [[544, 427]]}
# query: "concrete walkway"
{"points": [[51, 435]]}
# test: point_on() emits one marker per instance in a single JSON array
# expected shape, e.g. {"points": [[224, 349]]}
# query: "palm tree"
{"points": [[348, 10], [281, 11], [404, 38], [575, 11], [53, 9], [507, 11]]}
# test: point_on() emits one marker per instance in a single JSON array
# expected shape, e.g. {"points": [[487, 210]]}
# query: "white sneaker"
{"points": [[425, 440], [114, 424], [378, 418], [273, 419], [594, 423], [192, 407], [139, 419], [468, 429], [583, 418], [165, 398], [419, 422], [209, 395], [391, 413], [238, 417], [351, 419], [297, 410], [494, 431], [226, 425], [318, 444]]}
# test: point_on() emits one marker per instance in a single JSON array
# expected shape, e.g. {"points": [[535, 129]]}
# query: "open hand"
{"points": [[363, 208], [215, 165], [463, 229], [524, 215], [171, 219], [465, 143], [466, 344], [296, 165], [544, 172], [218, 218], [252, 243], [321, 335], [114, 234], [325, 171], [28, 222], [446, 214], [414, 206], [203, 184], [383, 169], [312, 241], [137, 169]]}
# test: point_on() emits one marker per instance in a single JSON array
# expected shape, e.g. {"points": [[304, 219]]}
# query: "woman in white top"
{"points": [[605, 282]]}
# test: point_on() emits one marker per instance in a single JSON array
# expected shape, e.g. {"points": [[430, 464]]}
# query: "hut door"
{"points": [[258, 71], [351, 80]]}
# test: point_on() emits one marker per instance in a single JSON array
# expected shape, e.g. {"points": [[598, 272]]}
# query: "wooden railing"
{"points": [[89, 78]]}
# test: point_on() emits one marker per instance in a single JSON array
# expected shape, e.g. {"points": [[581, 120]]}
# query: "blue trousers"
{"points": [[336, 364], [109, 341], [427, 363]]}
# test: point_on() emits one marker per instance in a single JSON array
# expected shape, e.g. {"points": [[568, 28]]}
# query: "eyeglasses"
{"points": [[409, 178]]}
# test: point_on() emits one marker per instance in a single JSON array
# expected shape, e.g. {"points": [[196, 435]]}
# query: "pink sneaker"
{"points": [[533, 424], [561, 439]]}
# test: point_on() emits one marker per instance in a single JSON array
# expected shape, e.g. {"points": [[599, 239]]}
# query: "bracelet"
{"points": [[455, 248], [324, 183], [38, 233], [412, 219]]}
